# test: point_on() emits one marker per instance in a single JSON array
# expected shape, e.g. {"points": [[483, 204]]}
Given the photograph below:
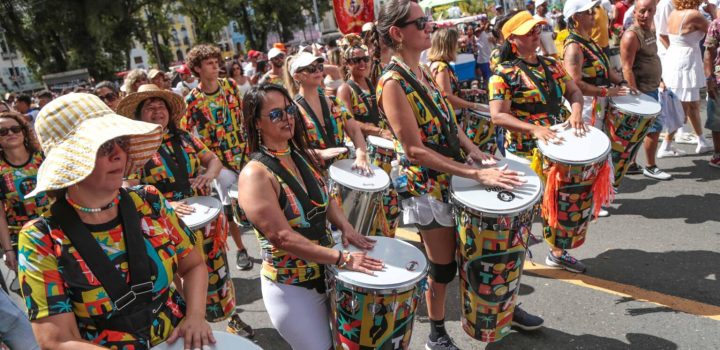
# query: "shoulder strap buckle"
{"points": [[129, 297]]}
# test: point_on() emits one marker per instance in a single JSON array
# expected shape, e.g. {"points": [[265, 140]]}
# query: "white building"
{"points": [[14, 73]]}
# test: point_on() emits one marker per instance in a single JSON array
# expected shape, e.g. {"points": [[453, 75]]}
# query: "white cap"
{"points": [[574, 6], [303, 59], [274, 52], [540, 2]]}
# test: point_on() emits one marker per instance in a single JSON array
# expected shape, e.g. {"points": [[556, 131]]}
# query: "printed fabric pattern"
{"points": [[441, 66], [594, 71], [339, 118], [15, 183]]}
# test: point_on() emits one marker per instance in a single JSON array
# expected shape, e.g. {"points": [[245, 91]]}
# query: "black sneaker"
{"points": [[634, 169], [242, 260], [565, 261], [442, 343], [526, 321], [238, 327]]}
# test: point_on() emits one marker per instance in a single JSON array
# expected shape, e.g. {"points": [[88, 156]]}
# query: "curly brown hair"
{"points": [[29, 139], [686, 4], [200, 53]]}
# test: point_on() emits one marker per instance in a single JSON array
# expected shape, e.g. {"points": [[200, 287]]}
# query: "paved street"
{"points": [[652, 280]]}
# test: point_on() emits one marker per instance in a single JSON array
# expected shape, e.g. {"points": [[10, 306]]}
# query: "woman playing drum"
{"points": [[175, 171], [291, 222], [425, 125], [98, 267], [525, 98]]}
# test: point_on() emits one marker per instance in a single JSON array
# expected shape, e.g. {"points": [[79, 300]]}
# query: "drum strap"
{"points": [[314, 213], [139, 292], [328, 134], [369, 101], [551, 96], [598, 52], [177, 165], [448, 127]]}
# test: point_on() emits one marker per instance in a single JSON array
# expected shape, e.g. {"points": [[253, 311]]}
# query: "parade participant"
{"points": [[175, 171], [187, 81], [43, 97], [642, 70], [712, 74], [108, 93], [214, 111], [358, 92], [235, 72], [547, 34], [283, 183], [96, 270], [525, 95], [21, 159], [587, 64], [23, 105], [426, 127], [133, 80], [274, 75], [326, 118]]}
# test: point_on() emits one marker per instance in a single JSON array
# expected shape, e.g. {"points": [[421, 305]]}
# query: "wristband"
{"points": [[340, 256], [603, 92]]}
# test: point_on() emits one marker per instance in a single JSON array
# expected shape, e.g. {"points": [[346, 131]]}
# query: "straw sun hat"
{"points": [[72, 128], [128, 105]]}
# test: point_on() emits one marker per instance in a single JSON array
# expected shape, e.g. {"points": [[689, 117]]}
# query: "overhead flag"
{"points": [[350, 15]]}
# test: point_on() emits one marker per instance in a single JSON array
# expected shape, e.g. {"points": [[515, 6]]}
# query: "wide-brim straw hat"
{"points": [[72, 128], [128, 105]]}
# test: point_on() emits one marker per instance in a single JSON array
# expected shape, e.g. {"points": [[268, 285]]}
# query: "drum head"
{"points": [[405, 265], [380, 142], [639, 104], [233, 191], [497, 201], [206, 210], [587, 149], [342, 173], [222, 341]]}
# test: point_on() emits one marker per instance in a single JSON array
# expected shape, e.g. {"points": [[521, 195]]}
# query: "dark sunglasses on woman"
{"points": [[109, 97], [278, 114], [356, 60], [16, 129], [313, 68], [420, 23], [107, 148]]}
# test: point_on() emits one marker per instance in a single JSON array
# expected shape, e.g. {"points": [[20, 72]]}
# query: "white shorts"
{"points": [[223, 182], [601, 108], [300, 315]]}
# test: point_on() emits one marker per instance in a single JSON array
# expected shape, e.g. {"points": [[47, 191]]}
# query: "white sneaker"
{"points": [[603, 213], [703, 148], [672, 152], [655, 173], [686, 138]]}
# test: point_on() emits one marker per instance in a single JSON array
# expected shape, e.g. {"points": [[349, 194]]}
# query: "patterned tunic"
{"points": [[15, 182], [422, 180], [511, 84], [596, 65], [54, 278], [217, 118], [210, 239], [440, 66], [339, 118]]}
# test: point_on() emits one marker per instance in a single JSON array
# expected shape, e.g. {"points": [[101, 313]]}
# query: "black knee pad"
{"points": [[442, 273]]}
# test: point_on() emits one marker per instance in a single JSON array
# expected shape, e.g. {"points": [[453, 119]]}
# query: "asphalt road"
{"points": [[652, 279]]}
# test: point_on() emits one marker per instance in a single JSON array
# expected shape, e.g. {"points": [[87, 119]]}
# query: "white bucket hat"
{"points": [[72, 128]]}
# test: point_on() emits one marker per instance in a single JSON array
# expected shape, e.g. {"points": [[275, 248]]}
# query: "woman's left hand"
{"points": [[476, 155], [351, 236], [201, 182], [576, 122], [195, 331], [361, 164]]}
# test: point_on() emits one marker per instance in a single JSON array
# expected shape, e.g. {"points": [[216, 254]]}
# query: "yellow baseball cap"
{"points": [[520, 24]]}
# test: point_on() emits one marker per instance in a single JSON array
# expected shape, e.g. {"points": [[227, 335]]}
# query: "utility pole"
{"points": [[317, 19]]}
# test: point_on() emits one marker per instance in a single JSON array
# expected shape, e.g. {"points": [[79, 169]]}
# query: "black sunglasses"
{"points": [[278, 114], [312, 68], [107, 148], [356, 60], [16, 129], [109, 97], [420, 23]]}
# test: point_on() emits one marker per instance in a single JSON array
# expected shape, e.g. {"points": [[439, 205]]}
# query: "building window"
{"points": [[176, 40], [138, 59], [186, 41]]}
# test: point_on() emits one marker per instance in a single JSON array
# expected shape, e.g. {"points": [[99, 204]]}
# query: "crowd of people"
{"points": [[94, 183]]}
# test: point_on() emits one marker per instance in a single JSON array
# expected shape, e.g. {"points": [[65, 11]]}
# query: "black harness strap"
{"points": [[177, 164], [448, 127], [327, 133], [369, 101], [552, 100], [597, 51]]}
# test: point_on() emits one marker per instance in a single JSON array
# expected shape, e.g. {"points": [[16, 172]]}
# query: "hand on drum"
{"points": [[576, 122], [546, 135], [330, 153], [182, 209], [195, 331], [361, 165], [483, 158], [619, 91], [201, 182], [500, 177], [361, 262], [350, 236]]}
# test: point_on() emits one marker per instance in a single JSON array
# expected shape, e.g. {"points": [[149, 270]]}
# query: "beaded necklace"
{"points": [[92, 210]]}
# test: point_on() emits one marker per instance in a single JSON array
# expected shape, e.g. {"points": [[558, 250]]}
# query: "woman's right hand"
{"points": [[361, 262], [182, 208], [499, 177], [545, 134], [330, 153], [618, 91]]}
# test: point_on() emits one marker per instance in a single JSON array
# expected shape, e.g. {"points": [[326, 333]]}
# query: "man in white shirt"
{"points": [[547, 36], [483, 49]]}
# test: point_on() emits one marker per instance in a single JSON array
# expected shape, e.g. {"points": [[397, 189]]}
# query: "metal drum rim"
{"points": [[650, 115], [516, 212], [597, 159], [361, 287], [374, 168], [203, 223]]}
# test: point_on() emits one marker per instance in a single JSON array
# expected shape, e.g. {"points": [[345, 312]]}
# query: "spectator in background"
{"points": [[530, 6], [274, 75], [108, 93], [10, 98], [483, 47], [547, 35], [712, 74], [23, 105], [15, 329], [621, 7], [43, 98], [235, 72], [159, 78], [187, 81], [250, 67], [599, 33], [133, 80], [499, 11]]}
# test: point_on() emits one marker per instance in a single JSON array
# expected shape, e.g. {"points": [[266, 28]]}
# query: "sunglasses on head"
{"points": [[278, 114], [356, 60], [420, 23], [313, 68], [107, 148], [109, 97], [16, 129]]}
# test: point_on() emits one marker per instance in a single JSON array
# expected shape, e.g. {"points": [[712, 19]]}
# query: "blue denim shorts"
{"points": [[657, 125], [713, 113]]}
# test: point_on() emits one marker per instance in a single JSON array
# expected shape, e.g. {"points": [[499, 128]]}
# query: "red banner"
{"points": [[352, 14]]}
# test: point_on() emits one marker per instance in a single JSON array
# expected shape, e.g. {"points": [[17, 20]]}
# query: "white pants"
{"points": [[223, 182], [602, 104], [300, 315]]}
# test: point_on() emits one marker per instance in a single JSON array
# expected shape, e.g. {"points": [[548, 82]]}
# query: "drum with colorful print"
{"points": [[223, 340], [480, 130], [492, 230], [206, 210], [359, 195], [381, 153], [579, 182], [377, 312], [627, 122]]}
